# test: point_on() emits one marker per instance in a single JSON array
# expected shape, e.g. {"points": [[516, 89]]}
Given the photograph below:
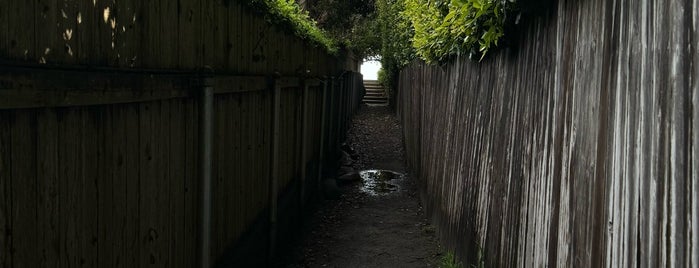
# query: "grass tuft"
{"points": [[449, 261]]}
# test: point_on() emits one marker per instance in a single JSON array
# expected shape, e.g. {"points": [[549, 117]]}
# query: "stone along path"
{"points": [[366, 226]]}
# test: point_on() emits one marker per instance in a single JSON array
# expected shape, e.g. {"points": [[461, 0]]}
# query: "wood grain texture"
{"points": [[573, 147], [20, 33], [24, 196], [5, 187]]}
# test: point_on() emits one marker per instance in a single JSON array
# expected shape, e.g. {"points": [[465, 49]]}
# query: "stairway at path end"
{"points": [[375, 94]]}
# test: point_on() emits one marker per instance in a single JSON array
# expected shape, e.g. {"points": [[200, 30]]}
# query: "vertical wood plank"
{"points": [[24, 195], [238, 181], [191, 183], [190, 34], [247, 156], [48, 185], [235, 37], [127, 36], [135, 126], [150, 32], [86, 19], [176, 169], [106, 18], [259, 44], [107, 189], [116, 170], [4, 31], [47, 42], [218, 170], [168, 34], [20, 26], [227, 216], [164, 185], [148, 233], [68, 31], [231, 182], [221, 47], [245, 50], [207, 32], [70, 191], [91, 163], [6, 119]]}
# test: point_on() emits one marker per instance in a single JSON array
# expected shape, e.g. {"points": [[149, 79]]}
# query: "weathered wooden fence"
{"points": [[102, 106], [577, 147]]}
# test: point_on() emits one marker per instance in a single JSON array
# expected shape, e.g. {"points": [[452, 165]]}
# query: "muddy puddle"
{"points": [[380, 182]]}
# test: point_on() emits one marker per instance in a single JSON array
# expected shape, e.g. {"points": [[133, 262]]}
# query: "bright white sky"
{"points": [[370, 70]]}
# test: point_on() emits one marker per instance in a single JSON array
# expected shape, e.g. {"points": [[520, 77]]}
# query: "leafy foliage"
{"points": [[287, 13], [434, 30], [460, 27], [351, 22], [396, 32]]}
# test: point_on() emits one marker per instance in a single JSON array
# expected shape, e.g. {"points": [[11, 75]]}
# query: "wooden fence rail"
{"points": [[576, 147]]}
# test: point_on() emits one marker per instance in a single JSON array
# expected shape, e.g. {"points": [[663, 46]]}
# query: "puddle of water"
{"points": [[380, 182]]}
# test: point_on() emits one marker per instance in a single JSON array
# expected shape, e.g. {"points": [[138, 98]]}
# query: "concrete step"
{"points": [[375, 94], [375, 98], [376, 102]]}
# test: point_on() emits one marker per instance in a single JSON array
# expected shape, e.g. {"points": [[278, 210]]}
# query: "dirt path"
{"points": [[371, 230]]}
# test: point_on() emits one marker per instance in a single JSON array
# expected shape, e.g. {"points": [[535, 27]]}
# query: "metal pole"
{"points": [[205, 160], [304, 145], [323, 132], [274, 174]]}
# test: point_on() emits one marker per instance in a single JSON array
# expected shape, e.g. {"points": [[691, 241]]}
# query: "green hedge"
{"points": [[435, 30], [456, 27]]}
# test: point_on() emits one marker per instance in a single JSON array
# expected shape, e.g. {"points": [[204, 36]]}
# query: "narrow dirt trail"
{"points": [[365, 229]]}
